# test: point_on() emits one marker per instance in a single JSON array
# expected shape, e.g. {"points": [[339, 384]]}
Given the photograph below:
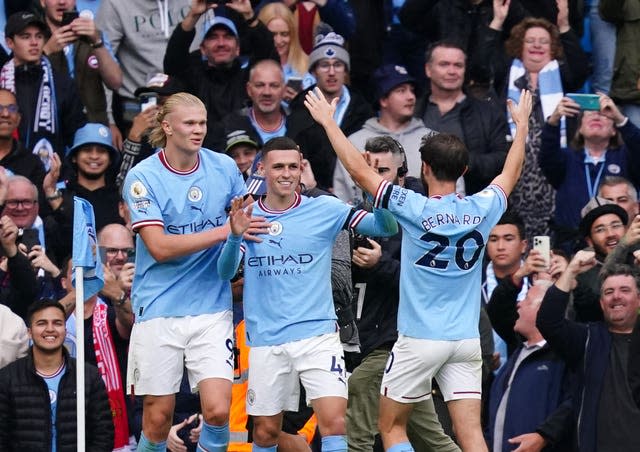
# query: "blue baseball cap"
{"points": [[388, 77], [94, 133], [220, 21]]}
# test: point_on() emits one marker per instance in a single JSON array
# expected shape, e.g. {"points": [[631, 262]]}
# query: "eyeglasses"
{"points": [[14, 203], [12, 109], [542, 42], [326, 66], [615, 226], [113, 252]]}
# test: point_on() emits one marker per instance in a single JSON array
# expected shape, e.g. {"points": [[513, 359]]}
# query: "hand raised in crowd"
{"points": [[632, 236], [609, 109], [559, 265], [51, 178], [126, 276], [566, 107], [242, 7], [534, 263], [289, 93], [59, 39], [84, 26], [8, 236], [367, 257], [520, 112], [142, 122], [39, 259], [111, 288], [582, 261], [562, 20], [500, 11], [321, 110]]}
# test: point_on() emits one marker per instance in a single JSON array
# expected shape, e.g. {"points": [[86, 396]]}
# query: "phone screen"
{"points": [[295, 83], [148, 100], [68, 17]]}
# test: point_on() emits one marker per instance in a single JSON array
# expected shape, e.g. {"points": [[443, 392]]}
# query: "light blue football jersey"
{"points": [[443, 243], [287, 277], [182, 202]]}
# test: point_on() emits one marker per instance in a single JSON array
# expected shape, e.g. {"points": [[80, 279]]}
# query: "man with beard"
{"points": [[603, 224]]}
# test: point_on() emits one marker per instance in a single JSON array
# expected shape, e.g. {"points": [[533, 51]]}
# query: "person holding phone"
{"points": [[606, 144], [75, 42]]}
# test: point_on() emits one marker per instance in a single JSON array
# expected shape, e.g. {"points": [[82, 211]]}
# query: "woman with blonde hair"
{"points": [[279, 19]]}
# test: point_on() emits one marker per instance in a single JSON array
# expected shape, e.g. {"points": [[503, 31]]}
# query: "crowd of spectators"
{"points": [[82, 82]]}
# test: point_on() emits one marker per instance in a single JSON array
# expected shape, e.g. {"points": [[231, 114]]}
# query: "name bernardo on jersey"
{"points": [[439, 219]]}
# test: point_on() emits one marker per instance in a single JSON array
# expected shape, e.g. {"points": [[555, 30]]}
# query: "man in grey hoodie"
{"points": [[395, 92]]}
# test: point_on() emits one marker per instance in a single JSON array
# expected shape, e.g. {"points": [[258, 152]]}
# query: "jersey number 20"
{"points": [[430, 259]]}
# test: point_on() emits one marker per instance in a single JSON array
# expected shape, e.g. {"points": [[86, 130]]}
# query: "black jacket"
{"points": [[18, 285], [22, 162], [25, 413], [313, 140], [485, 130]]}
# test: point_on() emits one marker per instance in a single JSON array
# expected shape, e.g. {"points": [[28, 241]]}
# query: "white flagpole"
{"points": [[80, 359]]}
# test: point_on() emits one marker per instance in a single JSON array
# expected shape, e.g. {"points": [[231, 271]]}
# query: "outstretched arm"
{"points": [[512, 168], [350, 157]]}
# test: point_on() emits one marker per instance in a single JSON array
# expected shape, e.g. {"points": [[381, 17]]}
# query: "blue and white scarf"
{"points": [[549, 86]]}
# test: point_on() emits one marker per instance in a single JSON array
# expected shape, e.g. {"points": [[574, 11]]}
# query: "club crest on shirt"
{"points": [[251, 396], [138, 190], [195, 194], [275, 228]]}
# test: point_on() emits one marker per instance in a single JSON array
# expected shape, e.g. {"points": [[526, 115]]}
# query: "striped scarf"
{"points": [[109, 369], [46, 112], [549, 86]]}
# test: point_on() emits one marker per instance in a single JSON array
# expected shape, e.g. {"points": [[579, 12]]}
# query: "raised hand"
{"points": [[520, 112], [566, 107], [321, 110]]}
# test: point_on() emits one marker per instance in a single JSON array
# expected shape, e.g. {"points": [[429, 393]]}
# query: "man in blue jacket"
{"points": [[518, 415]]}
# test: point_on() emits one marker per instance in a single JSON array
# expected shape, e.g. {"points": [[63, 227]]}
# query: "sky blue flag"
{"points": [[85, 247]]}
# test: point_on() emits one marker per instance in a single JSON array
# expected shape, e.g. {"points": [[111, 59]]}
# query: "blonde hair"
{"points": [[157, 136], [297, 58]]}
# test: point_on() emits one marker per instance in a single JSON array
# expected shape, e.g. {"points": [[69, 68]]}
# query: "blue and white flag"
{"points": [[85, 247]]}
